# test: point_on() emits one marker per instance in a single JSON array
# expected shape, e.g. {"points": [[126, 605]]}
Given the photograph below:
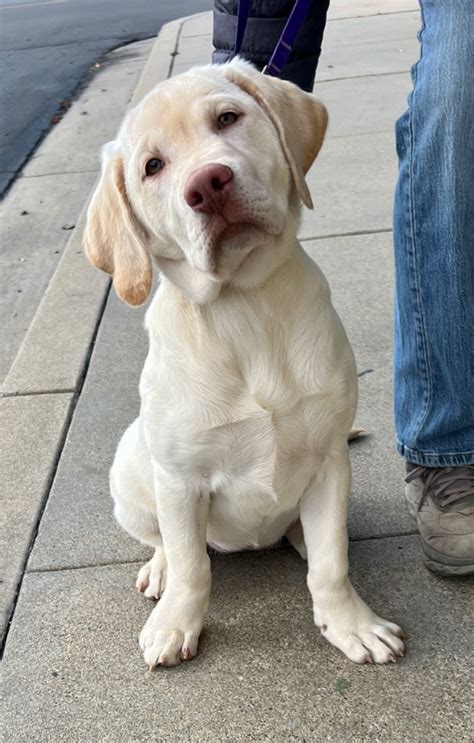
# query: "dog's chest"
{"points": [[244, 388], [239, 424], [244, 410]]}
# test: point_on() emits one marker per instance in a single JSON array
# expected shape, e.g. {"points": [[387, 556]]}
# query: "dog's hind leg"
{"points": [[295, 536], [131, 485]]}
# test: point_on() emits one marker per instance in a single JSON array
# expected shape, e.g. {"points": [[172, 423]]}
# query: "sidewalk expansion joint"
{"points": [[381, 231], [88, 566], [55, 465], [62, 172], [371, 15], [175, 52], [197, 36], [353, 44], [359, 77], [391, 535], [49, 482], [66, 568], [330, 138], [34, 393]]}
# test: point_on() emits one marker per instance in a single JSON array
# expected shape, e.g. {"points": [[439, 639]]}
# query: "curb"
{"points": [[160, 61]]}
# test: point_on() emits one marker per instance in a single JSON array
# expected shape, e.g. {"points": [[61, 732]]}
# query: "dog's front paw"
{"points": [[151, 579], [364, 637], [171, 634]]}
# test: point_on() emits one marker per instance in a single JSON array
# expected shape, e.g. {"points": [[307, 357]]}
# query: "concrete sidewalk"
{"points": [[72, 670]]}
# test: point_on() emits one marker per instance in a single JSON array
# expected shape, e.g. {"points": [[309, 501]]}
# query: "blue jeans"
{"points": [[434, 245]]}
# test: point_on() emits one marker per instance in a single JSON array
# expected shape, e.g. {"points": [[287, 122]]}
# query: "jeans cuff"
{"points": [[458, 459]]}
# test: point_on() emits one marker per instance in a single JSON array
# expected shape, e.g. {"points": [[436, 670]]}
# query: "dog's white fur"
{"points": [[249, 388]]}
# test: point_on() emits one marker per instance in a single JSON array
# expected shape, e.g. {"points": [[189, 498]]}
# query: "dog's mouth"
{"points": [[238, 231], [237, 236], [232, 245], [226, 239]]}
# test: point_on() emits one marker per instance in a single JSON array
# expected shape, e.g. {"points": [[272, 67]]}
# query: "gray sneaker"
{"points": [[441, 500]]}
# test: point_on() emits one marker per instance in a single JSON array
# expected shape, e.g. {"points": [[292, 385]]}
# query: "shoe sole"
{"points": [[443, 564]]}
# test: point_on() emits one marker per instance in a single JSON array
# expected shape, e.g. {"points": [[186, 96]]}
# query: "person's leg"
{"points": [[434, 265], [434, 245], [265, 24]]}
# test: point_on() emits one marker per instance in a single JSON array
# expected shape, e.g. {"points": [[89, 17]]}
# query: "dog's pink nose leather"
{"points": [[208, 188]]}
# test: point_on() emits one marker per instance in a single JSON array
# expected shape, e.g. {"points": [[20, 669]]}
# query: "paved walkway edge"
{"points": [[158, 66], [56, 348], [54, 357]]}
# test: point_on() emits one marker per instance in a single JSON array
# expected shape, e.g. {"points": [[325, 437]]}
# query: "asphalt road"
{"points": [[47, 48]]}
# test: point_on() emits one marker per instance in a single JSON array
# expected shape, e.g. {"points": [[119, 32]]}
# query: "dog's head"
{"points": [[206, 176]]}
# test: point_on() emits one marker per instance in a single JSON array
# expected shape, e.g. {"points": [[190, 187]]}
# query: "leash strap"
{"points": [[286, 40], [243, 12]]}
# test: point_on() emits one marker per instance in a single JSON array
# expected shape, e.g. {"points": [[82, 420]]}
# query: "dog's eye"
{"points": [[227, 118], [154, 166]]}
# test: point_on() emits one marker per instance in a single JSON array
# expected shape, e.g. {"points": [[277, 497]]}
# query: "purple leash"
{"points": [[285, 42], [243, 12]]}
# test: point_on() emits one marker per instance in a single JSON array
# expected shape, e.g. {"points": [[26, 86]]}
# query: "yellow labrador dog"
{"points": [[249, 389]]}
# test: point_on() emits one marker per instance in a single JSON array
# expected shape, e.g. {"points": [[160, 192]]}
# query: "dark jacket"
{"points": [[264, 26]]}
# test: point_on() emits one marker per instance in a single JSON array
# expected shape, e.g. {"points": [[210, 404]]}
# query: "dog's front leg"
{"points": [[173, 628], [343, 618]]}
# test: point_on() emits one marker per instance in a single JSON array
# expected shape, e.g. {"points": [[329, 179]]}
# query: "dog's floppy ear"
{"points": [[113, 239], [300, 119]]}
